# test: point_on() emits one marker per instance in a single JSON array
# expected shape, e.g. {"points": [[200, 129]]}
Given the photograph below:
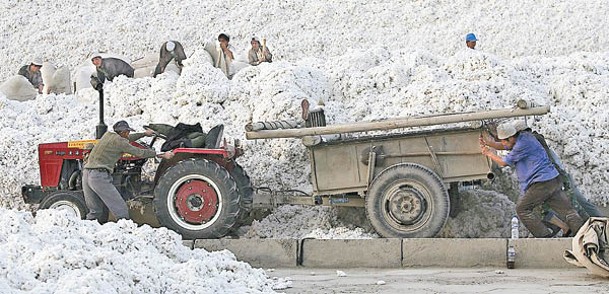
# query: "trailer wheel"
{"points": [[246, 191], [198, 199], [71, 201], [455, 199], [407, 201]]}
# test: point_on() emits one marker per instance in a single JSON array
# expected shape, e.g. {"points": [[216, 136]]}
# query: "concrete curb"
{"points": [[542, 253], [454, 252], [392, 253], [374, 253], [257, 252]]}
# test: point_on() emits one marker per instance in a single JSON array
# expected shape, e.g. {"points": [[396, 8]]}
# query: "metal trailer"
{"points": [[401, 179]]}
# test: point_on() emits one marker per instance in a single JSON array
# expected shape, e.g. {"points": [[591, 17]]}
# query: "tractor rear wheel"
{"points": [[198, 199], [246, 191], [407, 201], [71, 201]]}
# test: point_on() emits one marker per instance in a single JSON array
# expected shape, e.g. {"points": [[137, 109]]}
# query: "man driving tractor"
{"points": [[97, 183]]}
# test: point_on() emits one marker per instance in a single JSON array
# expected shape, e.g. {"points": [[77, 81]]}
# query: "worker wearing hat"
{"points": [[470, 41], [32, 73], [170, 50], [97, 181], [107, 69], [538, 179], [586, 209]]}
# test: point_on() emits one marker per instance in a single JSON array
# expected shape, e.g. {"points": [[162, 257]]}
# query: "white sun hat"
{"points": [[505, 131]]}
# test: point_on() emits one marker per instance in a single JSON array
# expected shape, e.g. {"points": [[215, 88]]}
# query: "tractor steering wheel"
{"points": [[155, 136]]}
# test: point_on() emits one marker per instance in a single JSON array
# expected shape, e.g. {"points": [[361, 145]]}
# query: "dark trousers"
{"points": [[99, 191], [551, 193]]}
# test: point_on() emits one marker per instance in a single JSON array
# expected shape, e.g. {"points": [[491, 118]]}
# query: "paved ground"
{"points": [[488, 280]]}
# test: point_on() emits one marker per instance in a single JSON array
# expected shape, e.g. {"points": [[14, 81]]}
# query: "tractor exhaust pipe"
{"points": [[101, 128]]}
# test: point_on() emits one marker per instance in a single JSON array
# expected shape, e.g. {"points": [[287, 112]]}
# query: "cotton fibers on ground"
{"points": [[56, 253]]}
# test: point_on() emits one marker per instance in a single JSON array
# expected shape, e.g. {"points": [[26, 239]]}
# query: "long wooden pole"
{"points": [[397, 123]]}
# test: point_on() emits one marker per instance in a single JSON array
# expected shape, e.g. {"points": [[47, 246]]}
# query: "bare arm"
{"points": [[227, 51], [486, 139], [490, 153]]}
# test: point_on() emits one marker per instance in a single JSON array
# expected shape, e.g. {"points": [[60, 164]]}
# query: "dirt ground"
{"points": [[488, 280]]}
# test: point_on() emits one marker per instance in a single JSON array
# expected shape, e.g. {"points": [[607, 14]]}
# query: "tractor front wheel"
{"points": [[198, 199], [71, 201]]}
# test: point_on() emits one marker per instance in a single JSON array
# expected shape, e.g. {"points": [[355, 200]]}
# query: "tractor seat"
{"points": [[214, 137]]}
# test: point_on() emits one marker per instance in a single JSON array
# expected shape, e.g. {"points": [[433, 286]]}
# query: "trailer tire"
{"points": [[184, 203], [407, 201], [455, 199], [71, 201]]}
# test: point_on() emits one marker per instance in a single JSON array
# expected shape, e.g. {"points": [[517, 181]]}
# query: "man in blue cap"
{"points": [[470, 41]]}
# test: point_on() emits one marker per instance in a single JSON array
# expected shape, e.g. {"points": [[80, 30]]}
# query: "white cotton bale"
{"points": [[82, 76], [144, 67], [18, 88], [61, 82], [172, 66], [47, 71], [211, 48], [238, 65]]}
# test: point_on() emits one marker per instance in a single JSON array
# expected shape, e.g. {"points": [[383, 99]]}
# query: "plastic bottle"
{"points": [[515, 227], [511, 257]]}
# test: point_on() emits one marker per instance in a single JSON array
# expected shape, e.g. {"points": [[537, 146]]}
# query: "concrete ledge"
{"points": [[454, 252], [392, 253], [541, 253], [374, 253], [189, 243], [257, 252]]}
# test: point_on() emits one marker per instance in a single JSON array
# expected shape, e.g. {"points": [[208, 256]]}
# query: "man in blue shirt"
{"points": [[538, 178]]}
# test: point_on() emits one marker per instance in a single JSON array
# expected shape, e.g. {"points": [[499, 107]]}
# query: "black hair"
{"points": [[223, 36]]}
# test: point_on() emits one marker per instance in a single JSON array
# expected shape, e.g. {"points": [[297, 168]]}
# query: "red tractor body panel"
{"points": [[222, 152], [52, 155]]}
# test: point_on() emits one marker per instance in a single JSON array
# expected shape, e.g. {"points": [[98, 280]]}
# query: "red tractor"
{"points": [[200, 193]]}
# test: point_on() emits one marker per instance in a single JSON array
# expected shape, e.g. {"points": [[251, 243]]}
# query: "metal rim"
{"points": [[68, 206], [407, 205], [191, 207]]}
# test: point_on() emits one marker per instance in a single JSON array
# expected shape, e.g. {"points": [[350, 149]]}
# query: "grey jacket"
{"points": [[166, 56], [111, 147], [113, 67], [34, 77]]}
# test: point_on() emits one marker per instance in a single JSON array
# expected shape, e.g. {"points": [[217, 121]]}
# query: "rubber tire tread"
{"points": [[412, 171], [246, 191], [228, 192]]}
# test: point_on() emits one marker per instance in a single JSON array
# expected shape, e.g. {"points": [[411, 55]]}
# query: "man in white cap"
{"points": [[97, 175], [32, 73], [108, 69], [586, 208], [538, 179], [170, 50]]}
